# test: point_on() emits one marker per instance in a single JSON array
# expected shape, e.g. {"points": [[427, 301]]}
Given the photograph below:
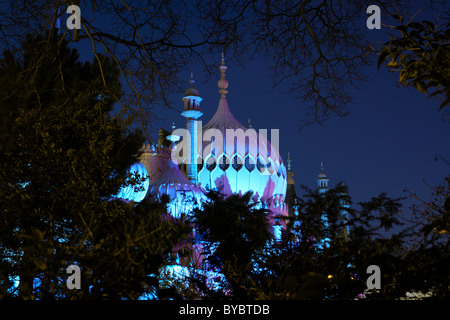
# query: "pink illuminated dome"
{"points": [[245, 160]]}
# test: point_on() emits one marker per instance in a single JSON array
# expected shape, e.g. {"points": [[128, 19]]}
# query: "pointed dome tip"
{"points": [[191, 91]]}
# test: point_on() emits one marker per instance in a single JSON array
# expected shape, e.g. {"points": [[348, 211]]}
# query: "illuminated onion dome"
{"points": [[137, 192], [247, 162], [191, 91]]}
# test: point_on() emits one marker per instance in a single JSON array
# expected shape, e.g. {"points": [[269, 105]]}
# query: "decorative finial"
{"points": [[321, 166], [289, 161], [191, 91], [223, 83], [173, 146], [192, 80], [249, 124], [174, 138]]}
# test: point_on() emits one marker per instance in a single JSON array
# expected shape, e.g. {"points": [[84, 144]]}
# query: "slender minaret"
{"points": [[192, 112], [291, 196]]}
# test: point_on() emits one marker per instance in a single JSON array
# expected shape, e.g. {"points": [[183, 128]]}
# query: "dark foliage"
{"points": [[62, 159]]}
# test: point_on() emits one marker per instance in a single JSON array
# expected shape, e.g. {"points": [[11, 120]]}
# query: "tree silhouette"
{"points": [[63, 158], [321, 258], [316, 47], [421, 56], [235, 233]]}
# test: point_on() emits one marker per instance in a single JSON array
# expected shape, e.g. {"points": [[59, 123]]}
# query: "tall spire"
{"points": [[291, 196], [223, 118], [192, 112], [290, 173], [223, 83], [289, 161]]}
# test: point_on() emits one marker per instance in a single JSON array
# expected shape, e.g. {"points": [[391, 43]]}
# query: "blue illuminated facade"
{"points": [[222, 155], [245, 161]]}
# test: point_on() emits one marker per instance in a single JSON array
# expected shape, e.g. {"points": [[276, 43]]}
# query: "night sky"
{"points": [[388, 143]]}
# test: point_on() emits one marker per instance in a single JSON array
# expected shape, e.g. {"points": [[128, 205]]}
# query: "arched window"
{"points": [[249, 163], [224, 162], [237, 163], [260, 164], [210, 163]]}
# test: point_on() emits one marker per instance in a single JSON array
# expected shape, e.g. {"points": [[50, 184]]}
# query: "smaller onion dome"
{"points": [[183, 194], [136, 192], [322, 174], [191, 91]]}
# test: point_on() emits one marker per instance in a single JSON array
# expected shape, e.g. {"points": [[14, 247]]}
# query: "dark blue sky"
{"points": [[387, 144]]}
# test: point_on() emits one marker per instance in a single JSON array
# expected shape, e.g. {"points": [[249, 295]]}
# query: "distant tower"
{"points": [[322, 180], [192, 112], [161, 138]]}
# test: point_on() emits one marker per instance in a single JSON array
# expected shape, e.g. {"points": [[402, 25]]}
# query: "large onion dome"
{"points": [[246, 161]]}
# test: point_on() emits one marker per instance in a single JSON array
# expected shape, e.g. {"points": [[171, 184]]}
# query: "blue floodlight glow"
{"points": [[136, 193], [277, 232]]}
